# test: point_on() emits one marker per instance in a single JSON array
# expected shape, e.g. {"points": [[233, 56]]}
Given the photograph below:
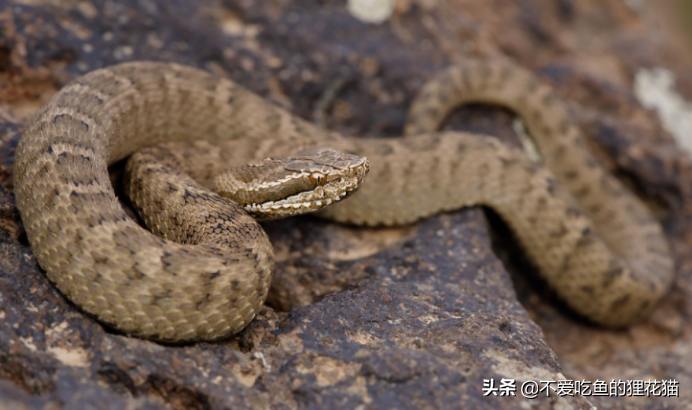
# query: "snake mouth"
{"points": [[333, 191]]}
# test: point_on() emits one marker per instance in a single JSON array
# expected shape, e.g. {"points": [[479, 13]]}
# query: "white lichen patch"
{"points": [[73, 356], [371, 11], [655, 89], [518, 370], [29, 343], [636, 5]]}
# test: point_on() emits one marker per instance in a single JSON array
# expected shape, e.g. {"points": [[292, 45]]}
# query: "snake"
{"points": [[591, 239]]}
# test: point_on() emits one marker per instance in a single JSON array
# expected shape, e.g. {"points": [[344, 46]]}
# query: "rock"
{"points": [[413, 317]]}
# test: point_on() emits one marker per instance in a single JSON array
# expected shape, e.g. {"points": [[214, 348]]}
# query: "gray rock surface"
{"points": [[414, 317]]}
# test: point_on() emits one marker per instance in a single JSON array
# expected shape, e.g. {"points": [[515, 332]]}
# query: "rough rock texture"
{"points": [[415, 317]]}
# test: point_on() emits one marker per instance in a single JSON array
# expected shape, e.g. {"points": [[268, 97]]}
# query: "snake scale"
{"points": [[607, 258]]}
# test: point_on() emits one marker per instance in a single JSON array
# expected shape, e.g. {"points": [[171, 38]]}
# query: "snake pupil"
{"points": [[317, 178]]}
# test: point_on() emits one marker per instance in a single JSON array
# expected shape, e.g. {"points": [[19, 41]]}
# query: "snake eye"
{"points": [[318, 178]]}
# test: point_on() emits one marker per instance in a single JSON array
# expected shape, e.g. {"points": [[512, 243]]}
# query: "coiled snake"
{"points": [[608, 259]]}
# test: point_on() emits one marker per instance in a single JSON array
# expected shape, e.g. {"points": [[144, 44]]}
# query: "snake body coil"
{"points": [[609, 261]]}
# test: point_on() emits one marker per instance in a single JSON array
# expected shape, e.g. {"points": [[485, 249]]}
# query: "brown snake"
{"points": [[609, 261]]}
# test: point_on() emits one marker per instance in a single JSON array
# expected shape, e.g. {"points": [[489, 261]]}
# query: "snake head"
{"points": [[287, 186]]}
